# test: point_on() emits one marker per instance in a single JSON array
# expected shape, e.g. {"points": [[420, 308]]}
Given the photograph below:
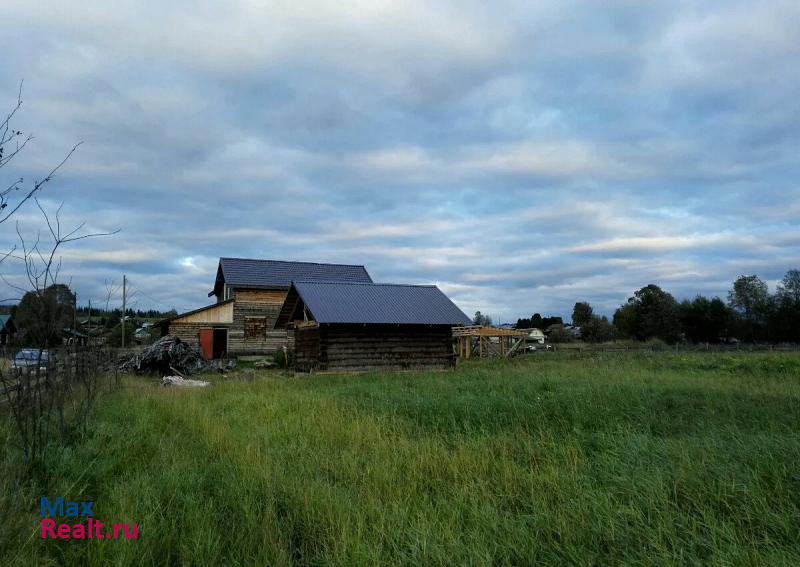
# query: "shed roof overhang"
{"points": [[167, 321]]}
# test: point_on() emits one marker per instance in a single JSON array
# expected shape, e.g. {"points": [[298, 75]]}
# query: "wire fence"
{"points": [[50, 393]]}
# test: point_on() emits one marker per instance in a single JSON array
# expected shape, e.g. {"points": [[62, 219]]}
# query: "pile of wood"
{"points": [[170, 355], [183, 382]]}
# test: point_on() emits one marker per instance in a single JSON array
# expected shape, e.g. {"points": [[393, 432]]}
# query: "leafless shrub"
{"points": [[48, 397]]}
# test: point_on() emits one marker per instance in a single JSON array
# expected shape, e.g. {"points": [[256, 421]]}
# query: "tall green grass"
{"points": [[592, 459]]}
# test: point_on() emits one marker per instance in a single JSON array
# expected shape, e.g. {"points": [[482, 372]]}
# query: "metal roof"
{"points": [[280, 274], [367, 303]]}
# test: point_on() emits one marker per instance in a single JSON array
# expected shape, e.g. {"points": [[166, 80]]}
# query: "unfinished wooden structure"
{"points": [[349, 326], [249, 295], [207, 328], [476, 340]]}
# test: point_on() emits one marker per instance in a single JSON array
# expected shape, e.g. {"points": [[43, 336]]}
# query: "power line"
{"points": [[151, 298]]}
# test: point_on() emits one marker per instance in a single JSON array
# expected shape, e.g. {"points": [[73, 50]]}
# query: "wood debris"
{"points": [[170, 356]]}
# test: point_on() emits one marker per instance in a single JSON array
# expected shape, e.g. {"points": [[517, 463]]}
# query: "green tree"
{"points": [[480, 319], [560, 335], [789, 288], [750, 298], [625, 321], [548, 321], [650, 313], [597, 330], [785, 322], [582, 313], [706, 320], [41, 316], [523, 324]]}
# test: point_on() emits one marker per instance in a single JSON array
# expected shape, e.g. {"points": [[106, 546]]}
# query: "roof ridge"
{"points": [[372, 303], [385, 284], [291, 262]]}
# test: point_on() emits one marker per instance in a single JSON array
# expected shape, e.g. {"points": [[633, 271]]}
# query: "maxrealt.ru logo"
{"points": [[90, 529]]}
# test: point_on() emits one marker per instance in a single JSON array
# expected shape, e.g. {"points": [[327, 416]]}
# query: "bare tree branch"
{"points": [[11, 144], [111, 290], [36, 186]]}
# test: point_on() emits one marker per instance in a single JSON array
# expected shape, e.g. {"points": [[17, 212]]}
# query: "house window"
{"points": [[255, 328]]}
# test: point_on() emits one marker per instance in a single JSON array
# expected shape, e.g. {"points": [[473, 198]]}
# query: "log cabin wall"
{"points": [[249, 320], [364, 347], [189, 332], [306, 348], [187, 326], [254, 314]]}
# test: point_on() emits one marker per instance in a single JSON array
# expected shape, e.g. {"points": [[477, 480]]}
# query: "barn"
{"points": [[357, 326], [249, 295]]}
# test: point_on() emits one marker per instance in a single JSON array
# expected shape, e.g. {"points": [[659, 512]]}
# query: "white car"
{"points": [[30, 357]]}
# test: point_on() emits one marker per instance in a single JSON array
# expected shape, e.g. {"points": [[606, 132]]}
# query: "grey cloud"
{"points": [[522, 157]]}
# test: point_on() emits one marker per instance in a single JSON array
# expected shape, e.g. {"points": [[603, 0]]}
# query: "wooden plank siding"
{"points": [[249, 318], [271, 296], [190, 332], [214, 314], [363, 347]]}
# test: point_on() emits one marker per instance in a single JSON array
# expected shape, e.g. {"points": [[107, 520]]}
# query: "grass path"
{"points": [[643, 459]]}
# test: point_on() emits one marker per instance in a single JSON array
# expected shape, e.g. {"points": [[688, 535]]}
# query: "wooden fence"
{"points": [[61, 366], [645, 348]]}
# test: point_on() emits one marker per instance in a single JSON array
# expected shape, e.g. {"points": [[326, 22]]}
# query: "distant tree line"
{"points": [[536, 321], [41, 318], [83, 311], [751, 314]]}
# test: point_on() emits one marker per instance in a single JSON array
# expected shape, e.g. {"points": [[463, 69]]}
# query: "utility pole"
{"points": [[124, 298], [89, 325]]}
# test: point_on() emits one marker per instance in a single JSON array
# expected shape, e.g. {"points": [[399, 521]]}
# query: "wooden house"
{"points": [[7, 329], [249, 296], [357, 326]]}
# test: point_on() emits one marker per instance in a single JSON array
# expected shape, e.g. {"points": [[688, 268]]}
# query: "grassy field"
{"points": [[566, 459]]}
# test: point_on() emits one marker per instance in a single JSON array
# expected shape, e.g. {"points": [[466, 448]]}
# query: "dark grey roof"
{"points": [[280, 274], [338, 302]]}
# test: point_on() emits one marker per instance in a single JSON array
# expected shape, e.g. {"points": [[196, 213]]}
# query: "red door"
{"points": [[207, 343]]}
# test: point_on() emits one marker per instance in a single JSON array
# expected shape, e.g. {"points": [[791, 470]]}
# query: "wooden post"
{"points": [[124, 305], [89, 325]]}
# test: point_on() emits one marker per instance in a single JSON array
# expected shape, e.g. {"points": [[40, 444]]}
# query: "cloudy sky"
{"points": [[520, 155]]}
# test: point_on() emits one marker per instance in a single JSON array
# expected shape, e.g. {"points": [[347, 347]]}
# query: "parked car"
{"points": [[30, 357]]}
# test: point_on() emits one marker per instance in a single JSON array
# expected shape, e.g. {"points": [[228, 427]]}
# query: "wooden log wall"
{"points": [[257, 303], [306, 348], [190, 332], [262, 305], [359, 347]]}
